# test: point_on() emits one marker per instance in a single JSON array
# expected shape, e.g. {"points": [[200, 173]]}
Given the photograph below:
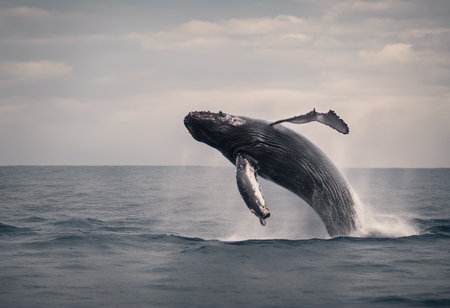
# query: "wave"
{"points": [[102, 235], [10, 229], [382, 227], [434, 226], [33, 219], [107, 240], [97, 225], [424, 228], [399, 300], [440, 230], [4, 228], [154, 242], [79, 222]]}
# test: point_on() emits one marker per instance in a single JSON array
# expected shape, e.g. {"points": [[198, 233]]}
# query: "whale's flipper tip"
{"points": [[334, 121], [330, 119]]}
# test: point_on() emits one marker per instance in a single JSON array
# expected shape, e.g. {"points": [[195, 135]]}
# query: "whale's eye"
{"points": [[221, 114]]}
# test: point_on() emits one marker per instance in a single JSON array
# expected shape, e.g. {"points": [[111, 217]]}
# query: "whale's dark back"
{"points": [[292, 161]]}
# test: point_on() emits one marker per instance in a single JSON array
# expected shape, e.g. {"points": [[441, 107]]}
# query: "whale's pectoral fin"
{"points": [[250, 189], [331, 119]]}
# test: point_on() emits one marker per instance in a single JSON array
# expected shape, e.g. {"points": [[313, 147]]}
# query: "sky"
{"points": [[109, 82]]}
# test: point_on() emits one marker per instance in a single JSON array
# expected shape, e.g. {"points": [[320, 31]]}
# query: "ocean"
{"points": [[123, 236]]}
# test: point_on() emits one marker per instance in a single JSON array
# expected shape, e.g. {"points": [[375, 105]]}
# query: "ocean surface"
{"points": [[183, 237]]}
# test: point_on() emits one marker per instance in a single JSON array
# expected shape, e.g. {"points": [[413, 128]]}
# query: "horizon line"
{"points": [[177, 165]]}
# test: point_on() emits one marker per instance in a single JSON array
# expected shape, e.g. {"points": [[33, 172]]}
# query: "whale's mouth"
{"points": [[198, 122], [188, 123], [214, 129], [192, 123]]}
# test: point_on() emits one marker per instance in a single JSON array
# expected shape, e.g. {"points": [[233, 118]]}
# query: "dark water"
{"points": [[182, 237]]}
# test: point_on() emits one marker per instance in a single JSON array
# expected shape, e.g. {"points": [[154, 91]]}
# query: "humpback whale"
{"points": [[276, 153]]}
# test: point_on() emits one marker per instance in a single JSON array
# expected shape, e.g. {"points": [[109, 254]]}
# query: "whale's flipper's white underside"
{"points": [[331, 119], [250, 189]]}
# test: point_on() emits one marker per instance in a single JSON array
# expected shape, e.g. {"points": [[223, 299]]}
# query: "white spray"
{"points": [[376, 224]]}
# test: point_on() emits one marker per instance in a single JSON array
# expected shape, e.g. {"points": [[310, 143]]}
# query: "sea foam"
{"points": [[372, 222]]}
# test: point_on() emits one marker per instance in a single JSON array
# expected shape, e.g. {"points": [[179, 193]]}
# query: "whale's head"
{"points": [[219, 130]]}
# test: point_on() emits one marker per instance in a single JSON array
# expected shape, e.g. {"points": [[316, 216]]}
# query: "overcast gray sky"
{"points": [[109, 82]]}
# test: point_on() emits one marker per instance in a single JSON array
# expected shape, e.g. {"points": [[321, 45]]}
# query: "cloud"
{"points": [[282, 29], [174, 40], [26, 71], [245, 26], [65, 39], [26, 12], [138, 78], [355, 6], [375, 5], [391, 53]]}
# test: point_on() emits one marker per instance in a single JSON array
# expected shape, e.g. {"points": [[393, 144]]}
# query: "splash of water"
{"points": [[371, 222], [377, 224]]}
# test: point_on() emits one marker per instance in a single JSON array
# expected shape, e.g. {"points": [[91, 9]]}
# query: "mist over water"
{"points": [[182, 236]]}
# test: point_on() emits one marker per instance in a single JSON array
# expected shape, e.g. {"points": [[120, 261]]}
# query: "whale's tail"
{"points": [[331, 119]]}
